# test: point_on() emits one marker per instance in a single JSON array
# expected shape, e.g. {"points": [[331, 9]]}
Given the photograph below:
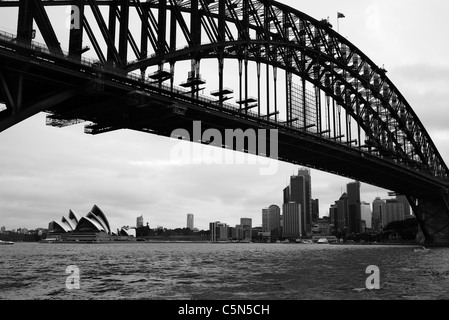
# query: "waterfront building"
{"points": [[239, 232], [246, 224], [300, 191], [190, 223], [342, 213], [333, 216], [293, 220], [324, 227], [376, 214], [92, 227], [286, 194], [391, 210], [266, 220], [315, 210], [353, 218], [139, 222], [271, 220], [2, 229], [408, 213], [366, 216]]}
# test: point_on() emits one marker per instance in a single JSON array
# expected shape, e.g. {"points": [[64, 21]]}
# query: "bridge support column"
{"points": [[432, 213], [25, 21]]}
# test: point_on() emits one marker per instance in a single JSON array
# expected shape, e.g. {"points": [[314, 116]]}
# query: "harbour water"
{"points": [[207, 271]]}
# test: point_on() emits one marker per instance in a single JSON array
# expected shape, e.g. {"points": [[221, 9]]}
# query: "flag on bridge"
{"points": [[340, 15]]}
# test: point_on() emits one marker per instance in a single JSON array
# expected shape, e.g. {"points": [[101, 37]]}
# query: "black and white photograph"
{"points": [[224, 155]]}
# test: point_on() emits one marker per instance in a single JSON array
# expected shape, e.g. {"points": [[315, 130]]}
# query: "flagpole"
{"points": [[338, 23]]}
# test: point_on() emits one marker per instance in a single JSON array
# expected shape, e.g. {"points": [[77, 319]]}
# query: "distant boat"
{"points": [[6, 242], [422, 250], [323, 241]]}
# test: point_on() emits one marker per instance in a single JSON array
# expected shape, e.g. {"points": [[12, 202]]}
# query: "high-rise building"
{"points": [[190, 224], [333, 217], [286, 193], [366, 215], [271, 220], [2, 229], [246, 224], [342, 213], [300, 191], [354, 218], [315, 210], [391, 211], [266, 220], [218, 231], [139, 222], [376, 214], [407, 210], [293, 220]]}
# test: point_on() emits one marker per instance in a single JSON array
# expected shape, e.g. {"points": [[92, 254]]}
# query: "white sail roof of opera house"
{"points": [[94, 221], [128, 232]]}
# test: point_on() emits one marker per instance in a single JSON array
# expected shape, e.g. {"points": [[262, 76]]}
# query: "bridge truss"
{"points": [[272, 67]]}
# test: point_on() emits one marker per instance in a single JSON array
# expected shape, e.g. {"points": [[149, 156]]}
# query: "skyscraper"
{"points": [[300, 191], [190, 221], [246, 224], [376, 217], [315, 210], [266, 220], [407, 210], [218, 231], [139, 222], [293, 221], [366, 215], [271, 220], [354, 214], [391, 210]]}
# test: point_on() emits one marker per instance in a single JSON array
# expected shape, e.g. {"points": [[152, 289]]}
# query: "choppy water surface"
{"points": [[203, 271]]}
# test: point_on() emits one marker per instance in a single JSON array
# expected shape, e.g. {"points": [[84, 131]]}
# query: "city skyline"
{"points": [[46, 170]]}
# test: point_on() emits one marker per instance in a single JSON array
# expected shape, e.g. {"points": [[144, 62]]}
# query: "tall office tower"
{"points": [[342, 209], [333, 217], [300, 191], [246, 224], [190, 221], [377, 210], [218, 231], [266, 220], [293, 221], [354, 215], [287, 194], [315, 210], [275, 220], [407, 210], [365, 209], [139, 222], [391, 211]]}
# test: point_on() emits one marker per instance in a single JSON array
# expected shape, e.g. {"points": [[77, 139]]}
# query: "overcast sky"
{"points": [[46, 171]]}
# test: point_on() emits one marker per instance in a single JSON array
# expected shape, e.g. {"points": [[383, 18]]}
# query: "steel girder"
{"points": [[264, 31]]}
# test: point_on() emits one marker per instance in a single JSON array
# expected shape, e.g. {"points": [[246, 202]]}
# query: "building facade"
{"points": [[366, 216], [300, 191], [391, 211], [376, 214], [190, 222], [354, 214], [246, 225], [139, 222], [293, 220], [271, 220]]}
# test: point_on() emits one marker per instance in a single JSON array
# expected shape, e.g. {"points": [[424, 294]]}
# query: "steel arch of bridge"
{"points": [[265, 32]]}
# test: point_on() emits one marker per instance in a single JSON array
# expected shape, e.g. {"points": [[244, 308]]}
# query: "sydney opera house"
{"points": [[92, 227]]}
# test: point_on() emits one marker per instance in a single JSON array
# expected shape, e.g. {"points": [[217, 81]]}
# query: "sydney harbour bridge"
{"points": [[132, 64]]}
